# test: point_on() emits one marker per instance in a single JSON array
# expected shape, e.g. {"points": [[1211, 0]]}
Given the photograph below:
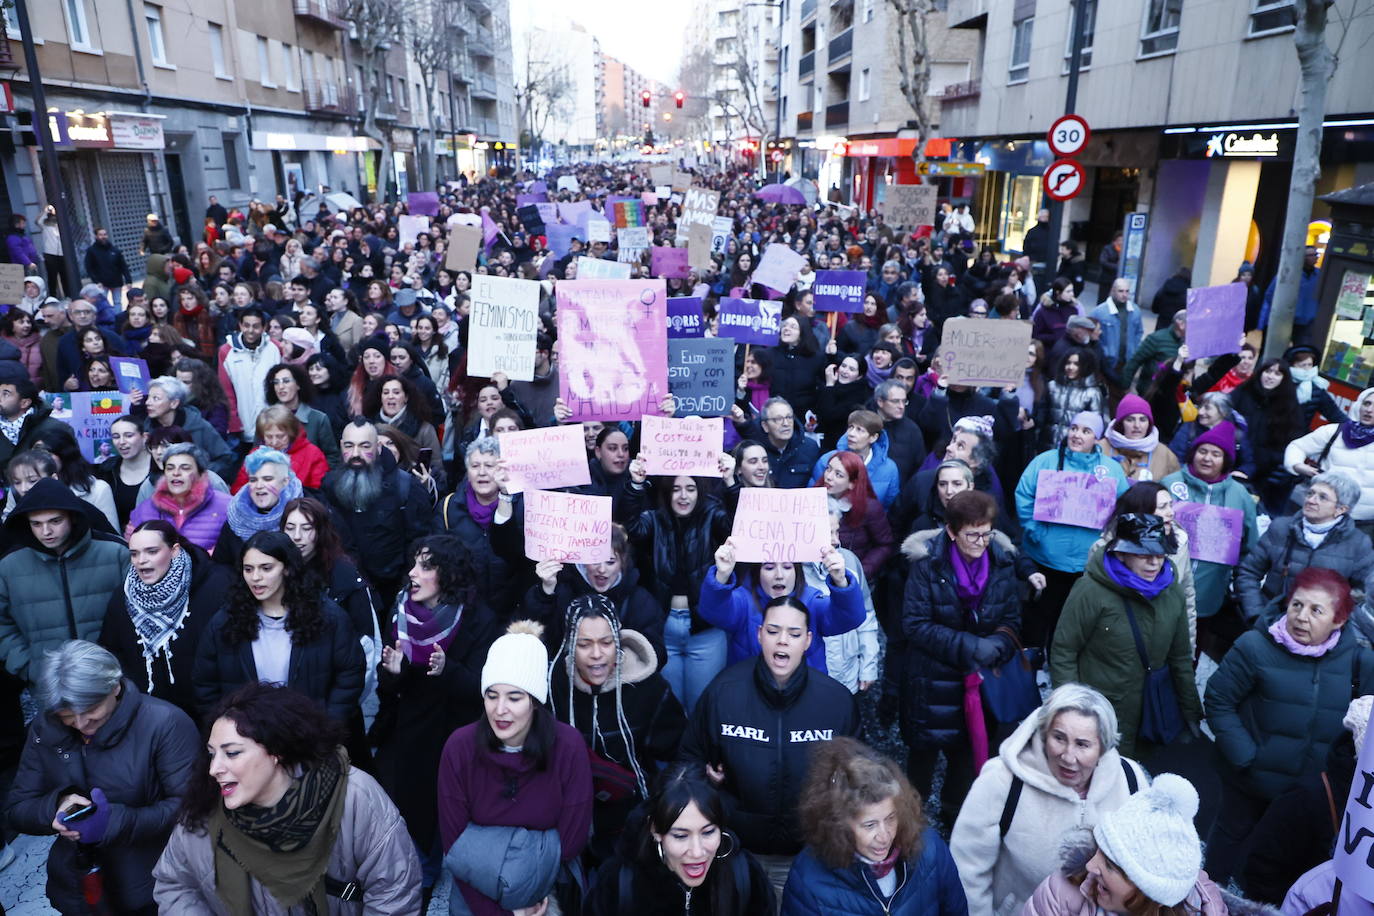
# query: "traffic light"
{"points": [[678, 98], [645, 97]]}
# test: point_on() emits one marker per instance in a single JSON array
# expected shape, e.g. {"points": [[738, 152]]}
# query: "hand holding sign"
{"points": [[781, 526]]}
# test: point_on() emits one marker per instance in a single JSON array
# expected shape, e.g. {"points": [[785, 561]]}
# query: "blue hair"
{"points": [[260, 456]]}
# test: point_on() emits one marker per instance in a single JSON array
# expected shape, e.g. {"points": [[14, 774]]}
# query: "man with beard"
{"points": [[378, 509], [24, 416]]}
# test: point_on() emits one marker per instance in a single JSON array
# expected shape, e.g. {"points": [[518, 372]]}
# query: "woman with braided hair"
{"points": [[628, 734]]}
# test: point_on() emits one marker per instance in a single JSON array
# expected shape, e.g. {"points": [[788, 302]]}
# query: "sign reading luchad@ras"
{"points": [[690, 446], [1074, 498], [505, 323], [567, 527], [983, 352], [839, 290], [750, 321], [685, 318], [781, 526], [545, 458]]}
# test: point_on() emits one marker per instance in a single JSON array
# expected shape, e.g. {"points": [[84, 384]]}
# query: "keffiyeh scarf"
{"points": [[158, 610]]}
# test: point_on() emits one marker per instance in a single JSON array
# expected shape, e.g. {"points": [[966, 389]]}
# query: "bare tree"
{"points": [[376, 28], [911, 21], [428, 38], [540, 92], [694, 78], [749, 104]]}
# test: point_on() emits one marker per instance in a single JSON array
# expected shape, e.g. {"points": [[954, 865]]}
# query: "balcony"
{"points": [[323, 97], [770, 52], [807, 64], [459, 67], [483, 86], [808, 11], [840, 47], [486, 127], [804, 120], [837, 115], [967, 14], [483, 7], [325, 12], [384, 108], [969, 89], [480, 42]]}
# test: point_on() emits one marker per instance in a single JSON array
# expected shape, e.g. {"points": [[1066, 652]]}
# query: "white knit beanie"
{"points": [[519, 659], [1152, 839], [1357, 719]]}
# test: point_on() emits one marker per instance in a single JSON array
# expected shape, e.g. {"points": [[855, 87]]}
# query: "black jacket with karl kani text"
{"points": [[762, 736]]}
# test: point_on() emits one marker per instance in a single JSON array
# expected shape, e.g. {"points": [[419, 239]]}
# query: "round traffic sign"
{"points": [[1064, 179], [1068, 136]]}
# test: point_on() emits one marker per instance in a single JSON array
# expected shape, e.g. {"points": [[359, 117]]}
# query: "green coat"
{"points": [[1212, 581], [1093, 645], [1158, 347]]}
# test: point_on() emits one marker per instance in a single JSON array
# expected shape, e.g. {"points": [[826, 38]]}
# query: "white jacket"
{"points": [[1356, 462], [999, 874], [854, 656]]}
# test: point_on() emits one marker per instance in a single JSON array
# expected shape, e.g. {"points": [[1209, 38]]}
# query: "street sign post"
{"points": [[1064, 179], [1068, 136], [1133, 249]]}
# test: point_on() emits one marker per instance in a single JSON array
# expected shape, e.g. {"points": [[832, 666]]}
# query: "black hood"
{"points": [[47, 494]]}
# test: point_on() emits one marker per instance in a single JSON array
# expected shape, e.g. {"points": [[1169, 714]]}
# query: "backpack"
{"points": [[1014, 796]]}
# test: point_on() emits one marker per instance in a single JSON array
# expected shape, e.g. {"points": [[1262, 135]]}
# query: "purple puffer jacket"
{"points": [[199, 520]]}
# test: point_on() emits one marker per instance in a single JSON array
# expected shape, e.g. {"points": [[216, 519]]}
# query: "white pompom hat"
{"points": [[519, 659], [1152, 839]]}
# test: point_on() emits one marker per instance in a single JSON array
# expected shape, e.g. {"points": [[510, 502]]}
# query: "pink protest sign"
{"points": [[781, 526], [690, 446], [545, 458], [1214, 532], [669, 263], [1074, 498], [613, 335], [567, 527]]}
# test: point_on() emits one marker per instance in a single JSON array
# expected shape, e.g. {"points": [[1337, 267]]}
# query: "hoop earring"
{"points": [[659, 844], [734, 845]]}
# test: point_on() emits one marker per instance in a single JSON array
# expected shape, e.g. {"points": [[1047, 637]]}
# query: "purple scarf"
{"points": [[876, 376], [1121, 574], [970, 577], [481, 514], [420, 629], [1354, 435], [758, 393], [1279, 630]]}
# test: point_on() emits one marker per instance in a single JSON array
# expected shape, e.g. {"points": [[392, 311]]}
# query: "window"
{"points": [[77, 29], [405, 94], [1159, 34], [156, 43], [391, 88], [868, 10], [1271, 16], [1089, 8], [1020, 51], [865, 79], [307, 67], [12, 22], [231, 160], [265, 65], [288, 66], [217, 51]]}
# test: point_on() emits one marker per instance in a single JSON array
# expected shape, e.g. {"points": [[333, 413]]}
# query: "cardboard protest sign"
{"points": [[910, 205], [568, 183], [663, 192], [839, 290], [1216, 320], [1354, 856], [567, 527], [130, 374], [601, 269], [690, 446], [11, 283], [1214, 532], [548, 212], [750, 321], [681, 180], [699, 247], [701, 373], [778, 268], [463, 244], [721, 228], [1074, 498], [423, 203], [613, 338], [411, 227], [545, 458], [661, 174], [530, 219], [699, 207], [983, 352], [781, 526], [92, 414], [503, 324], [685, 318], [633, 237], [598, 229], [669, 263]]}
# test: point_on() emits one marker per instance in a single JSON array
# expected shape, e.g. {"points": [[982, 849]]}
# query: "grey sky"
{"points": [[646, 34]]}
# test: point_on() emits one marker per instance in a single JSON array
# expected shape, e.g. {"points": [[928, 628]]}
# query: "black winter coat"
{"points": [[379, 537], [762, 736], [209, 583], [624, 886], [638, 609], [34, 426], [1267, 571], [906, 445], [791, 466], [328, 669], [941, 636], [1266, 427], [496, 579], [667, 546], [835, 403], [796, 377]]}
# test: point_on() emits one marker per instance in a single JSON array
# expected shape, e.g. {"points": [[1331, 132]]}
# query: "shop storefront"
{"points": [[1007, 197], [1345, 316]]}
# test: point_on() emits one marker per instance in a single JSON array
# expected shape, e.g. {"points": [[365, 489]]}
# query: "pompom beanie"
{"points": [[1152, 839]]}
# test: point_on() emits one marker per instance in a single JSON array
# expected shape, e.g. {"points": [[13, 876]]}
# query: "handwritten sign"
{"points": [[545, 458], [130, 374], [681, 180], [751, 321], [979, 352], [1350, 298], [1214, 532], [701, 374], [569, 183], [601, 269], [613, 334], [781, 526], [669, 263], [463, 245], [689, 446], [910, 205], [411, 227], [92, 414], [778, 268], [504, 322], [699, 247], [568, 527], [11, 283], [699, 206], [598, 229], [1355, 838], [685, 318], [1216, 319], [632, 241], [1074, 498], [839, 290]]}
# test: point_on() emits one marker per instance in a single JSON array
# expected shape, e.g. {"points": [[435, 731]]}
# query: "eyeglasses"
{"points": [[976, 537], [1319, 496], [898, 401], [782, 419]]}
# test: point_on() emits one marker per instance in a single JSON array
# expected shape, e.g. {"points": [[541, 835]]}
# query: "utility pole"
{"points": [[52, 178], [1056, 207]]}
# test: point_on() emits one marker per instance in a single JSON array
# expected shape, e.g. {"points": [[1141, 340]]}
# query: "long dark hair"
{"points": [[1280, 407], [681, 785], [73, 468], [328, 544], [417, 405], [455, 565], [307, 387], [301, 595], [289, 725]]}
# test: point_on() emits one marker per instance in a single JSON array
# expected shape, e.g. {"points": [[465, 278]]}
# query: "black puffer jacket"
{"points": [[941, 636], [796, 377], [496, 578], [763, 736], [1267, 571], [835, 403], [380, 536], [638, 610]]}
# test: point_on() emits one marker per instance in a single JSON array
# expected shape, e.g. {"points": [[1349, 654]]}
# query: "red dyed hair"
{"points": [[1331, 582], [861, 488]]}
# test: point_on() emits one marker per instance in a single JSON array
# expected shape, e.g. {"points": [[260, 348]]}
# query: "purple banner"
{"points": [[523, 200], [423, 203], [613, 338], [1216, 320], [1214, 532], [839, 290], [669, 263], [751, 321], [685, 318], [1074, 498]]}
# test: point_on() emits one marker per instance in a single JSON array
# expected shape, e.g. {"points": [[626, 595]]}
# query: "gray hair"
{"points": [[885, 390], [187, 448], [1222, 401], [174, 388], [1343, 485], [92, 291], [1180, 315], [76, 676], [1085, 701], [483, 445], [955, 464], [895, 265], [773, 402]]}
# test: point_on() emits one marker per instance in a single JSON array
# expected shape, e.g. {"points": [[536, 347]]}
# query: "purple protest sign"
{"points": [[1214, 532], [423, 203], [613, 335], [1216, 320], [669, 263], [839, 290], [560, 237], [522, 200], [574, 212], [751, 321], [1074, 498], [548, 213], [685, 318]]}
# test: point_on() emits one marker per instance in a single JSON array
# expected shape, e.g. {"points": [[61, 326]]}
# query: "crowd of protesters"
{"points": [[282, 649]]}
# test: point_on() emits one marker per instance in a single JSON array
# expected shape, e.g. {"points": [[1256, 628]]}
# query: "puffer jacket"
{"points": [[627, 885], [30, 355], [927, 885], [142, 759], [242, 375], [999, 873], [941, 636], [1276, 714], [1211, 580], [46, 598], [852, 657], [1183, 569], [1093, 645], [1357, 462], [512, 866], [34, 426], [638, 610], [371, 850], [1266, 572], [200, 519], [882, 472], [1058, 546], [796, 377], [1068, 400]]}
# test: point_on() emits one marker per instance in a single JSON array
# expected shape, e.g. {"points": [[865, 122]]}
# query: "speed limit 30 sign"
{"points": [[1063, 179], [1068, 136]]}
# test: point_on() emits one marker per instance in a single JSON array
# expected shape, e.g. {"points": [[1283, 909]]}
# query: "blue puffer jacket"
{"points": [[882, 472], [928, 886], [1058, 546]]}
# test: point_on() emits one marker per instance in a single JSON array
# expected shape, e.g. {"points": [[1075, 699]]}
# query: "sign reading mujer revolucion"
{"points": [[984, 351], [504, 324]]}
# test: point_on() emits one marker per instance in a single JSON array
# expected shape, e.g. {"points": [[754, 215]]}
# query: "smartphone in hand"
{"points": [[77, 813]]}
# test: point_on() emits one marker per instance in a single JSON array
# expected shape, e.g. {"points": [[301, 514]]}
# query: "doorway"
{"points": [[181, 214], [1115, 193]]}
